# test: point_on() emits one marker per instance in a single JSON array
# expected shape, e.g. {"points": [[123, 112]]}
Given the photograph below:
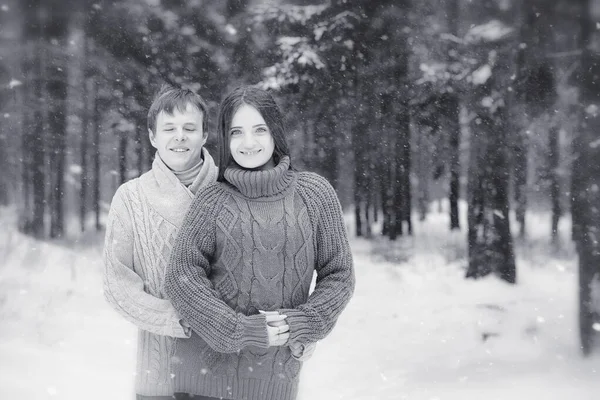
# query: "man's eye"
{"points": [[190, 129], [169, 129]]}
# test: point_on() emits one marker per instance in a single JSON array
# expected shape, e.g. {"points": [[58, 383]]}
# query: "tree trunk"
{"points": [[56, 31], [328, 151], [122, 157], [489, 236], [359, 179], [95, 134], [368, 206], [32, 220], [139, 146], [451, 111], [404, 201], [585, 184], [10, 21], [520, 178], [424, 168], [83, 149], [554, 156], [535, 92]]}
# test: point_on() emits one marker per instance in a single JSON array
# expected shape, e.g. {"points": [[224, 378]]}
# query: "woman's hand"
{"points": [[302, 352], [277, 328]]}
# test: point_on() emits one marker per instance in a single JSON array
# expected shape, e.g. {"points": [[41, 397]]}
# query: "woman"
{"points": [[242, 265]]}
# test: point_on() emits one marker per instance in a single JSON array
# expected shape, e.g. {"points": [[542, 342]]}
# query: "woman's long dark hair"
{"points": [[267, 107]]}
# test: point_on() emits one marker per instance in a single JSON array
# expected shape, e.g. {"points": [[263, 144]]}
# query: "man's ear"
{"points": [[151, 137], [205, 139]]}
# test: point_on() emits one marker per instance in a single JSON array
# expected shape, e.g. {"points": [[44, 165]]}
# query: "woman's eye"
{"points": [[235, 132], [261, 130]]}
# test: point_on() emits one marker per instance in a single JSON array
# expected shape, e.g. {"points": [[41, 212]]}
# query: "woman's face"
{"points": [[250, 140]]}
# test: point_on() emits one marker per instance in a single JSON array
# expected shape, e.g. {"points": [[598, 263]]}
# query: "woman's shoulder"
{"points": [[314, 183], [316, 191], [211, 195]]}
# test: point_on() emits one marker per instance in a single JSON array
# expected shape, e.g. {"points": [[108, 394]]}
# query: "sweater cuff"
{"points": [[298, 323], [177, 330], [255, 330]]}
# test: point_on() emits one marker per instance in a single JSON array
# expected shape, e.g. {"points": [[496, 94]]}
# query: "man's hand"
{"points": [[277, 328], [187, 328], [302, 352]]}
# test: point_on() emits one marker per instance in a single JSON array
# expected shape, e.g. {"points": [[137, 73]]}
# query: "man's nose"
{"points": [[180, 134]]}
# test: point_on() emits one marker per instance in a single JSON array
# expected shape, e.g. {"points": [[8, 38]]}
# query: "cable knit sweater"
{"points": [[247, 245], [144, 216]]}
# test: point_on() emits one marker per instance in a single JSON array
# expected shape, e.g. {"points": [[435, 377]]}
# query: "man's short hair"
{"points": [[170, 98]]}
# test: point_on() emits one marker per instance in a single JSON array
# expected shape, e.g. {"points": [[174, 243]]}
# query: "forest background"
{"points": [[398, 103]]}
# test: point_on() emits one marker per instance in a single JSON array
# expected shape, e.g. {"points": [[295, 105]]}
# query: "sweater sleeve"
{"points": [[313, 320], [123, 287], [189, 288]]}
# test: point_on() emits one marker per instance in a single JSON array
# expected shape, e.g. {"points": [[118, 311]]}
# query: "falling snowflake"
{"points": [[231, 29], [481, 74], [14, 83], [592, 109]]}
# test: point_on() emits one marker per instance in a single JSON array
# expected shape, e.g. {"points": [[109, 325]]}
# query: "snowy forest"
{"points": [[462, 137]]}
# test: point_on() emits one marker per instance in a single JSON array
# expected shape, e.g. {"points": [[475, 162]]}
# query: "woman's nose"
{"points": [[248, 139]]}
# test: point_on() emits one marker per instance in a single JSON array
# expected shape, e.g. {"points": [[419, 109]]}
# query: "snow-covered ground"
{"points": [[415, 328]]}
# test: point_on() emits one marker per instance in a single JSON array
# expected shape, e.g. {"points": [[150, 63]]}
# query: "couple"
{"points": [[214, 265]]}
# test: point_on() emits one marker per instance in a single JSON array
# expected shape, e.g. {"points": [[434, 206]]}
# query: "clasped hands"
{"points": [[277, 328], [279, 334]]}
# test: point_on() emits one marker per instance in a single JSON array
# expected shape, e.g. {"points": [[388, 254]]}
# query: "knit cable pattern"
{"points": [[312, 321], [192, 293]]}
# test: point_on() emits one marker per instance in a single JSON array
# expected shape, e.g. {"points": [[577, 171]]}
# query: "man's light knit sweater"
{"points": [[143, 220], [254, 243]]}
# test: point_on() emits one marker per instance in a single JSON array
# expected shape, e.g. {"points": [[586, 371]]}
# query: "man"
{"points": [[144, 216]]}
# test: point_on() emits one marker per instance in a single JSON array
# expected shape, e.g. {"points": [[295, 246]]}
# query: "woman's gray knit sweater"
{"points": [[247, 245]]}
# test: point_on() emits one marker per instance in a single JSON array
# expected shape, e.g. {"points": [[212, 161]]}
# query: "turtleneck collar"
{"points": [[187, 177], [261, 183], [206, 174], [167, 195]]}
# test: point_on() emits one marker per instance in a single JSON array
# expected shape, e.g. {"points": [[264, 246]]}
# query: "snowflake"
{"points": [[14, 83], [482, 74]]}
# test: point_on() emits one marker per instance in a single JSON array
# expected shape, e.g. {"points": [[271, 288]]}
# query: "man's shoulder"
{"points": [[129, 186]]}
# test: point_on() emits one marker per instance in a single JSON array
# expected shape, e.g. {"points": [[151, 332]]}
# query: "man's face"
{"points": [[179, 138]]}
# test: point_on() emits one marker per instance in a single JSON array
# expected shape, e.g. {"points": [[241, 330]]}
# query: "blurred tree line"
{"points": [[397, 103]]}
